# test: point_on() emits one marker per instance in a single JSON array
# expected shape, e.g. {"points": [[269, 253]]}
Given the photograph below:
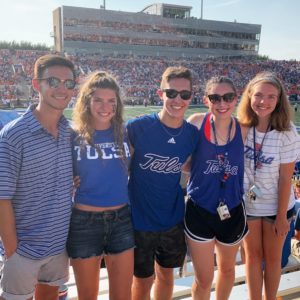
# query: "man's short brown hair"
{"points": [[176, 72], [50, 60]]}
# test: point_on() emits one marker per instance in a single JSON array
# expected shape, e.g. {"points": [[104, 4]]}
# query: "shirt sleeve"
{"points": [[194, 134], [130, 132], [289, 150], [135, 128], [10, 161]]}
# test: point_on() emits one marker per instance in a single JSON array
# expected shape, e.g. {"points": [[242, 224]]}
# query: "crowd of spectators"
{"points": [[139, 76]]}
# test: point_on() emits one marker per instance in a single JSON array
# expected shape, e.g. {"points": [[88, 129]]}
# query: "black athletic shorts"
{"points": [[201, 225], [167, 248]]}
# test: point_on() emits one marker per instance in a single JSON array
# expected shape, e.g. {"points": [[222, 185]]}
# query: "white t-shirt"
{"points": [[278, 148]]}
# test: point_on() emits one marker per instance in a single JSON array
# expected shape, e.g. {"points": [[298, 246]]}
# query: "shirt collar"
{"points": [[34, 125]]}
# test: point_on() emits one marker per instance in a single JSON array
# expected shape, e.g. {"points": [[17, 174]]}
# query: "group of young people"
{"points": [[239, 187]]}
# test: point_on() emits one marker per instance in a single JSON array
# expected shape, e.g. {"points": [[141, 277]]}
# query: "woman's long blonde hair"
{"points": [[82, 117], [280, 117]]}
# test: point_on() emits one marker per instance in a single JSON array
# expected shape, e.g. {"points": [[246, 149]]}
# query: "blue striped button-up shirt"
{"points": [[36, 175]]}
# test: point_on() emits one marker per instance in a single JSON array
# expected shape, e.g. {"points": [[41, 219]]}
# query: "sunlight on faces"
{"points": [[221, 109], [56, 98], [103, 108], [175, 107], [264, 99]]}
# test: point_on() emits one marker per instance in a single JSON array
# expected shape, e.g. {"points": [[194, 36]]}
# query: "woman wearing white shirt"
{"points": [[270, 155]]}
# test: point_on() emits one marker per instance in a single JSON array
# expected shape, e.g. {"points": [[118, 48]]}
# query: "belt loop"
{"points": [[116, 214]]}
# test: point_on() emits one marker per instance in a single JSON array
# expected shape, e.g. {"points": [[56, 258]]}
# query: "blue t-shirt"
{"points": [[103, 180], [205, 183], [154, 186]]}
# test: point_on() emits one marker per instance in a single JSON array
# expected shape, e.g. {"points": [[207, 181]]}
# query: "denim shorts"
{"points": [[167, 248], [98, 233], [272, 219]]}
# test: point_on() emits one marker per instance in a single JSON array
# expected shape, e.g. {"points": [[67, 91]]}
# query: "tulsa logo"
{"points": [[161, 164], [214, 167], [109, 151], [261, 158]]}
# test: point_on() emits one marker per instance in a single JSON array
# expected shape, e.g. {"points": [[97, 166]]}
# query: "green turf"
{"points": [[131, 112]]}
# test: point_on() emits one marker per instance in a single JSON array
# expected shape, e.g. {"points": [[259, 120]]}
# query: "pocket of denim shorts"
{"points": [[79, 218], [124, 215]]}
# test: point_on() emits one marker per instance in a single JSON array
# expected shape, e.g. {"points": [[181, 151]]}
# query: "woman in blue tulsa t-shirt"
{"points": [[101, 224]]}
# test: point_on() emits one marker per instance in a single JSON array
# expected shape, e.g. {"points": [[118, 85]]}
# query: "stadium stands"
{"points": [[139, 75], [160, 28]]}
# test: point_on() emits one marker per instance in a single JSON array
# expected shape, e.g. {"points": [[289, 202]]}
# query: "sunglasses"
{"points": [[215, 98], [172, 94], [54, 82]]}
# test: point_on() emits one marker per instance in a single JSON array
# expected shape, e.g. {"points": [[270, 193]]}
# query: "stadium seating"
{"points": [[289, 284], [139, 76]]}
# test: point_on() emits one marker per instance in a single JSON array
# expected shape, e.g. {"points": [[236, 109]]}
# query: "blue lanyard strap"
{"points": [[215, 134], [222, 158], [257, 154]]}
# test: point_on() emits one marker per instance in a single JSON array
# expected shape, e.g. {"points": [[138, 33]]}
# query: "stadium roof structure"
{"points": [[168, 10], [159, 30]]}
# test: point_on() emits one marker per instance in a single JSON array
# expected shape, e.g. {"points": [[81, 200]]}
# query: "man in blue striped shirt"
{"points": [[36, 187]]}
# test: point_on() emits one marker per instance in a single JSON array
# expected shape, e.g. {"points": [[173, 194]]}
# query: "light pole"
{"points": [[201, 9], [102, 6]]}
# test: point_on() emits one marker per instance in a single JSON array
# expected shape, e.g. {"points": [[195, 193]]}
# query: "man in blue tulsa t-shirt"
{"points": [[162, 143], [36, 186]]}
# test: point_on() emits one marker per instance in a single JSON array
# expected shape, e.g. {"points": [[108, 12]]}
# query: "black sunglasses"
{"points": [[54, 82], [171, 93], [215, 98]]}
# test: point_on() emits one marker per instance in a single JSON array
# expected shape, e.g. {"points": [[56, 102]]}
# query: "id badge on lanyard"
{"points": [[254, 191], [222, 209]]}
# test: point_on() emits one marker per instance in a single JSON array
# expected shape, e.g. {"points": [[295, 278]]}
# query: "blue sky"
{"points": [[31, 20]]}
